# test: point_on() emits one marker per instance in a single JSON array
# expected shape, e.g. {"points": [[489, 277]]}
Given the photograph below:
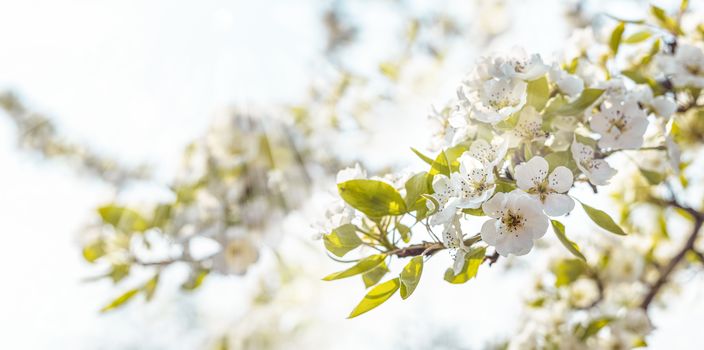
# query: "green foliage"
{"points": [[567, 271], [404, 231], [119, 301], [563, 158], [150, 287], [538, 93], [415, 187], [653, 177], [123, 219], [559, 230], [585, 100], [410, 276], [375, 275], [638, 37], [603, 220], [377, 296], [446, 162], [93, 251], [666, 21], [592, 328], [373, 198], [616, 36], [342, 239], [472, 260], [362, 266]]}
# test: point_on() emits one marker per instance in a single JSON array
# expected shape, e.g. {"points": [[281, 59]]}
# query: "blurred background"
{"points": [[136, 82]]}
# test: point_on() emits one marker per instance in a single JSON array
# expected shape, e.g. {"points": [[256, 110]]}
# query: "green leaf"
{"points": [[195, 279], [93, 251], [377, 296], [410, 276], [567, 271], [415, 187], [654, 50], [123, 219], [150, 287], [504, 186], [119, 272], [472, 260], [603, 220], [665, 21], [473, 211], [448, 156], [585, 100], [561, 158], [342, 239], [637, 37], [390, 70], [120, 300], [423, 156], [371, 197], [616, 35], [362, 266], [559, 229], [538, 93], [554, 104], [594, 327], [405, 232], [375, 275], [653, 177]]}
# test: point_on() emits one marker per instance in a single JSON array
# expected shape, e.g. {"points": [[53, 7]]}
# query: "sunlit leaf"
{"points": [[603, 220], [567, 271], [119, 301], [342, 239], [559, 230], [362, 266], [377, 296], [410, 276], [371, 197], [473, 259], [375, 275]]}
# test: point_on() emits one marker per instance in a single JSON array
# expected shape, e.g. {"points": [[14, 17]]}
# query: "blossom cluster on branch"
{"points": [[512, 145]]}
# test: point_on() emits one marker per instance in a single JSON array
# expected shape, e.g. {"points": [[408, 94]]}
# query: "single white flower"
{"points": [[517, 220], [569, 84], [532, 177], [664, 106], [453, 239], [529, 128], [621, 125], [441, 130], [237, 255], [686, 67], [490, 154], [473, 184], [444, 194], [518, 64], [598, 171], [352, 173], [495, 99]]}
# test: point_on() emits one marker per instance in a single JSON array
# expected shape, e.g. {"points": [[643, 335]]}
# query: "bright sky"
{"points": [[138, 80]]}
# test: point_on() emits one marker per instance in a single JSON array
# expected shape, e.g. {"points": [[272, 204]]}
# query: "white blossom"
{"points": [[518, 64], [238, 253], [490, 154], [620, 124], [473, 184], [686, 67], [444, 194], [569, 84], [352, 173], [664, 106], [453, 239], [517, 220], [529, 128], [532, 177], [495, 99], [598, 171]]}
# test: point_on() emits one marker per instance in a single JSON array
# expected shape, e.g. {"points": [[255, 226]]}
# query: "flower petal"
{"points": [[561, 179], [557, 204], [531, 173]]}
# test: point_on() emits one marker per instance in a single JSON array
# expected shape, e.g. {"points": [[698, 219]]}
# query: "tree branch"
{"points": [[428, 248], [689, 246]]}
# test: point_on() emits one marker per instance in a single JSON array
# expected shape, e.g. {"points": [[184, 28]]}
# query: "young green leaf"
{"points": [[377, 296], [342, 239], [559, 229], [404, 231], [538, 93], [410, 276], [371, 197], [415, 187], [653, 177], [603, 220], [150, 287], [637, 37], [586, 99], [423, 156], [123, 219], [616, 35], [472, 260], [567, 271], [125, 297], [361, 266], [375, 275], [446, 162]]}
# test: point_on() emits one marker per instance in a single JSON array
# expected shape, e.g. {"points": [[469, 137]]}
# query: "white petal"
{"points": [[492, 207], [521, 245], [531, 173], [488, 232], [459, 261], [558, 204], [561, 179], [440, 183], [664, 106]]}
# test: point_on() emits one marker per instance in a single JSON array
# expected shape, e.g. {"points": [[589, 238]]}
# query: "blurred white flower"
{"points": [[352, 173], [686, 67], [517, 220], [528, 129], [518, 64], [532, 177], [664, 106], [238, 253], [569, 84]]}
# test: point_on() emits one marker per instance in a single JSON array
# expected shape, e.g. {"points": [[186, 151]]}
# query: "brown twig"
{"points": [[670, 267]]}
